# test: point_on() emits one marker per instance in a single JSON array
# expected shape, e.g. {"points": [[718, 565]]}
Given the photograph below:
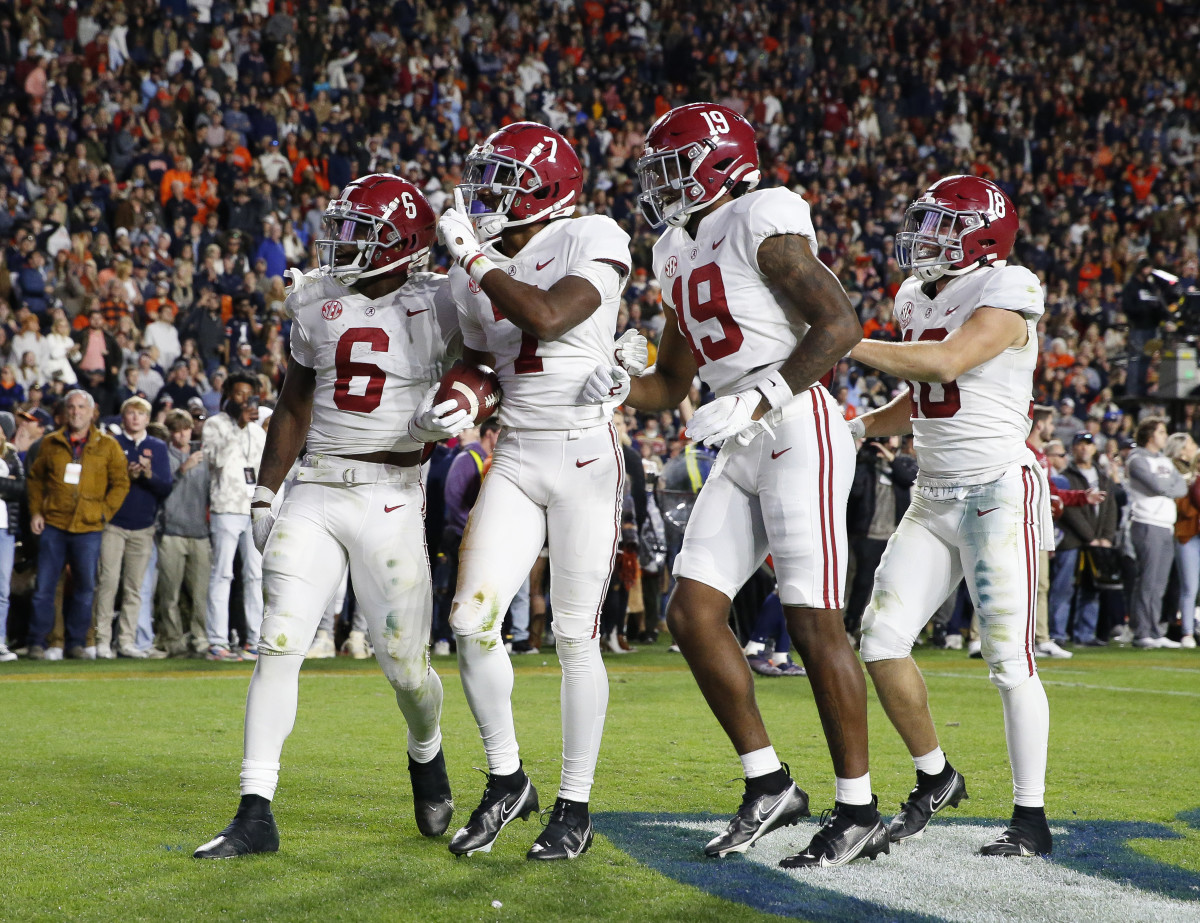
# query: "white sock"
{"points": [[584, 702], [753, 647], [760, 763], [487, 678], [270, 716], [422, 708], [931, 763], [853, 791], [1027, 730], [777, 658]]}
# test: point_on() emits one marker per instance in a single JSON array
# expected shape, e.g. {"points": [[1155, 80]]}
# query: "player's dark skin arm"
{"points": [[698, 615], [546, 314], [289, 426], [814, 297]]}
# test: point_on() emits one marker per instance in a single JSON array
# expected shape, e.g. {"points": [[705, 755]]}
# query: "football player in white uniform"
{"points": [[537, 301], [369, 336], [980, 507], [752, 310]]}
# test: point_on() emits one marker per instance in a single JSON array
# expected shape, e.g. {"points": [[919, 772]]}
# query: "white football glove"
{"points": [[607, 384], [433, 424], [262, 520], [632, 352], [727, 418], [457, 234]]}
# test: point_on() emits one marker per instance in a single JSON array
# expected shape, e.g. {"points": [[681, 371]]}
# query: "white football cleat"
{"points": [[356, 645], [1051, 649], [322, 647]]}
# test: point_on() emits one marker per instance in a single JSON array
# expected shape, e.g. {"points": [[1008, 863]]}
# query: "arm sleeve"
{"points": [[160, 481], [118, 481], [212, 441], [472, 330], [12, 487], [301, 345], [1141, 472]]}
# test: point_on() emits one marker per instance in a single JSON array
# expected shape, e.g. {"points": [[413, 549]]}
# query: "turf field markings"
{"points": [[1094, 686]]}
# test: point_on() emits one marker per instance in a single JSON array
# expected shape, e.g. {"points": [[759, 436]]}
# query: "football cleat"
{"points": [[761, 664], [501, 804], [567, 836], [842, 839], [758, 815], [356, 645], [322, 647], [1024, 837], [791, 668], [252, 830], [926, 799], [432, 802]]}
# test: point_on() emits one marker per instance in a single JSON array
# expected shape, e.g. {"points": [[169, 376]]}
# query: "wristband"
{"points": [[263, 495], [858, 429], [777, 391], [477, 266]]}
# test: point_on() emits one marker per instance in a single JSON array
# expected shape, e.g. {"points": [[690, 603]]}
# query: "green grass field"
{"points": [[113, 772]]}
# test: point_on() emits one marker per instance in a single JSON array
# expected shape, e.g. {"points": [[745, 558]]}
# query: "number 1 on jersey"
{"points": [[713, 305]]}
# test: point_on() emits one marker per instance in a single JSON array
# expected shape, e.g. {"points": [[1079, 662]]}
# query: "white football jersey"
{"points": [[729, 312], [972, 429], [374, 358], [542, 381]]}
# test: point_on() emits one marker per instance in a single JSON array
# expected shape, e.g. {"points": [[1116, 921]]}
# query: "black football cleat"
{"points": [[847, 833], [432, 802], [252, 831], [1026, 836], [759, 814], [932, 793], [567, 836], [504, 800]]}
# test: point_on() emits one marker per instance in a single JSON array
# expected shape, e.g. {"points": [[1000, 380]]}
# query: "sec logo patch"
{"points": [[671, 268], [904, 313], [331, 310], [474, 287]]}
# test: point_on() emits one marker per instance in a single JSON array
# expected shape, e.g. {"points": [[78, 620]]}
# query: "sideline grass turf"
{"points": [[114, 771]]}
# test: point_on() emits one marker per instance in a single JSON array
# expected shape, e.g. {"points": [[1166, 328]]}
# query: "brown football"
{"points": [[475, 388]]}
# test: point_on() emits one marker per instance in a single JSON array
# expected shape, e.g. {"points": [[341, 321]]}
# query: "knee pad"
{"points": [[572, 650], [406, 676], [1008, 674], [883, 639], [280, 634]]}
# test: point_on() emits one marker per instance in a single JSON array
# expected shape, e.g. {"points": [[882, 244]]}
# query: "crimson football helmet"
{"points": [[959, 224], [380, 224], [521, 174], [694, 155]]}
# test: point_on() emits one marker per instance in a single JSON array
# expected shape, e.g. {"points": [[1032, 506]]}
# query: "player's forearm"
{"points": [[652, 391], [892, 419], [930, 362], [285, 439], [527, 306], [819, 350]]}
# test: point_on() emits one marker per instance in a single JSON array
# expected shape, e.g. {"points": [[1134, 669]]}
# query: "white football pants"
{"points": [[563, 487]]}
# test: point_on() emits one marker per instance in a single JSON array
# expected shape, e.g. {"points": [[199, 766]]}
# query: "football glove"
{"points": [[632, 352], [606, 385], [262, 520], [433, 424], [726, 418], [457, 234]]}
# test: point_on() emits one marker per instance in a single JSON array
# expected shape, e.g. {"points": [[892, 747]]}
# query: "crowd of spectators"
{"points": [[163, 163]]}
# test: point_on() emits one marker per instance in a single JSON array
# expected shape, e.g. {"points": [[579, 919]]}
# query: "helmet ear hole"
{"points": [[722, 165]]}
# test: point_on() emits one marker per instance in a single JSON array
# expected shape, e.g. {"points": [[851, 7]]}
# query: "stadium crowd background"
{"points": [[163, 163]]}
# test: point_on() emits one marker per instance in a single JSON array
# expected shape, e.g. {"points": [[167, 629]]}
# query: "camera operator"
{"points": [[879, 496], [1145, 309]]}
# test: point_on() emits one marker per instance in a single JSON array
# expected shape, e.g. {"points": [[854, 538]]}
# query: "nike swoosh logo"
{"points": [[392, 509], [540, 266], [935, 804], [763, 812], [507, 815], [775, 455], [950, 311], [985, 512], [719, 242], [579, 463], [415, 313]]}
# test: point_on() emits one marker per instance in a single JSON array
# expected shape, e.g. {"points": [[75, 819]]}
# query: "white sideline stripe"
{"points": [[1054, 682], [942, 876]]}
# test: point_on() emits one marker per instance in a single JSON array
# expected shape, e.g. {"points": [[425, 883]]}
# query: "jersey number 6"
{"points": [[349, 369], [921, 392]]}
